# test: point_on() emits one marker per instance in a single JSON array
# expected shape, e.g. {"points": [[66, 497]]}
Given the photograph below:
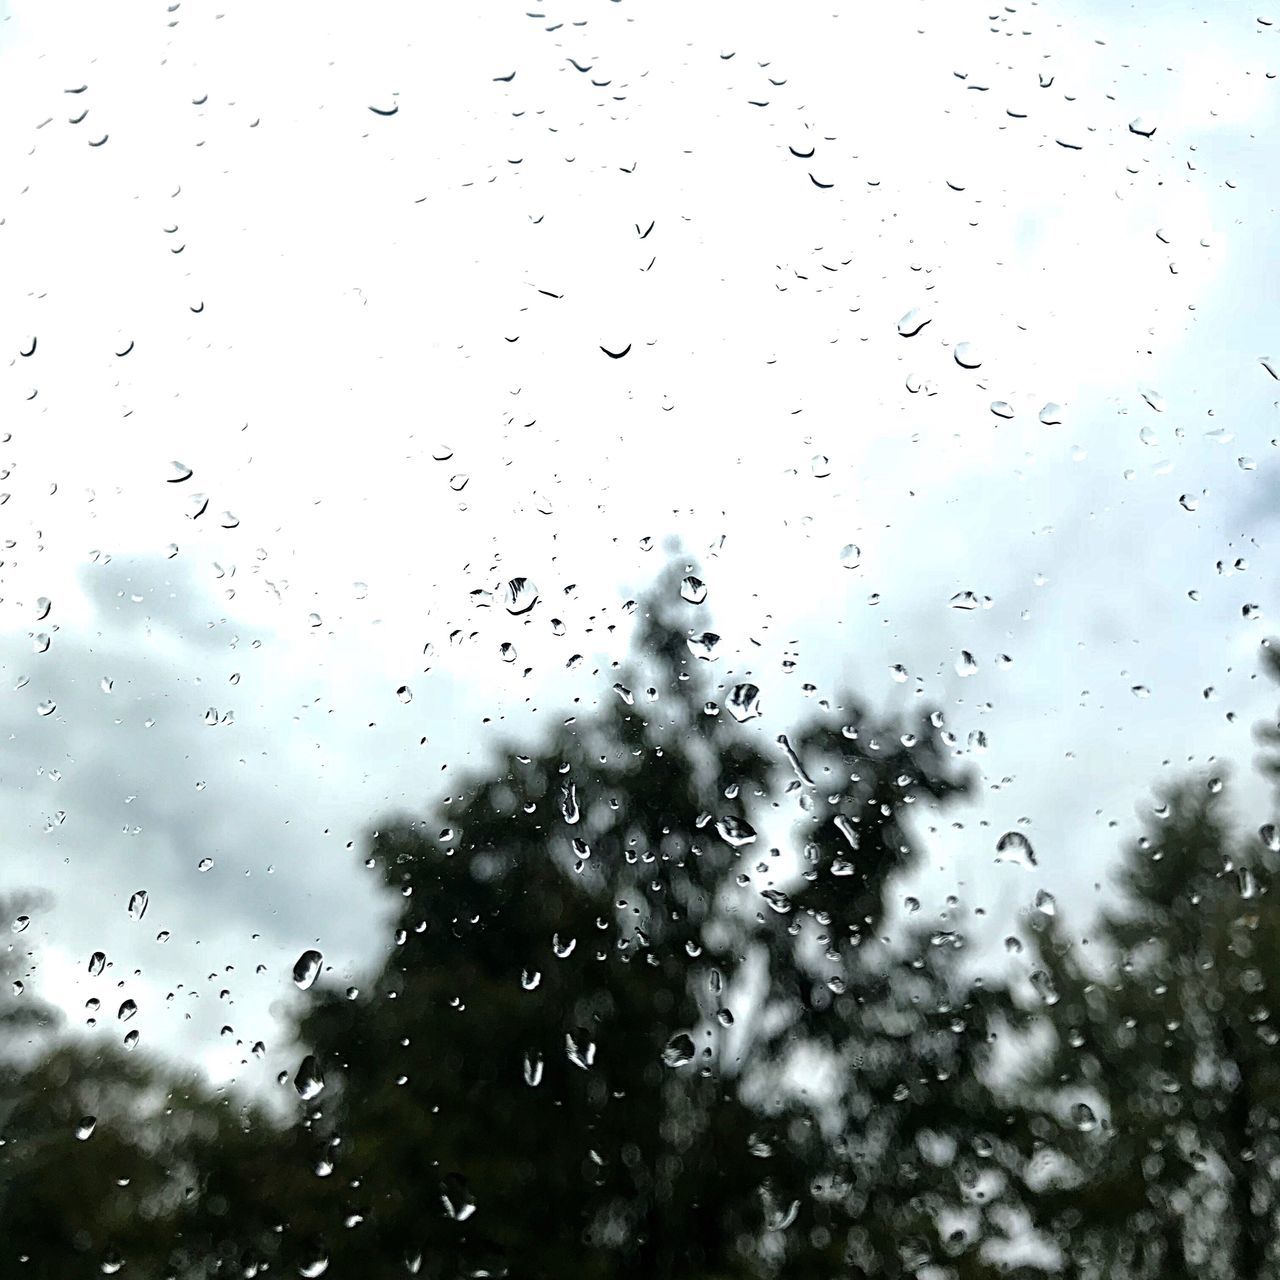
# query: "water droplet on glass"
{"points": [[777, 900], [138, 904], [178, 472], [1045, 903], [692, 589], [967, 355], [1153, 398], [459, 482], [309, 1081], [455, 1195], [520, 595], [679, 1051], [1269, 834], [85, 1128], [1051, 414], [1082, 1113], [913, 322], [1270, 365], [507, 651], [735, 831], [580, 1049], [743, 702], [625, 694], [1142, 127], [851, 555], [1013, 846], [97, 963], [306, 968], [1002, 408], [966, 663], [569, 802], [704, 646], [404, 693], [533, 1069], [126, 1010], [820, 466], [1188, 501], [442, 452], [314, 1267], [46, 708]]}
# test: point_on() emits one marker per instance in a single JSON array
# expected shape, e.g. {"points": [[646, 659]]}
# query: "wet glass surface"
{"points": [[634, 640]]}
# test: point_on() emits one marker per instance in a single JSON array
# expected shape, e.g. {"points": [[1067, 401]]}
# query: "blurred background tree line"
{"points": [[618, 1034]]}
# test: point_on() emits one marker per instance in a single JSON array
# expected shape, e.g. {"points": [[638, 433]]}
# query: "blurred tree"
{"points": [[1158, 1102]]}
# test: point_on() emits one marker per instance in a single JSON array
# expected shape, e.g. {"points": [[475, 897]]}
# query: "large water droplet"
{"points": [[569, 802], [138, 904], [455, 1195], [85, 1127], [1082, 1113], [704, 646], [580, 1049], [851, 555], [520, 595], [913, 322], [309, 1081], [967, 355], [306, 969], [1013, 846], [97, 963], [779, 901], [743, 702], [735, 831], [679, 1051], [692, 589], [126, 1011]]}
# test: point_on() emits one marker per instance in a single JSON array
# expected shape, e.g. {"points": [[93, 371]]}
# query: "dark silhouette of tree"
{"points": [[646, 1011], [1159, 1098]]}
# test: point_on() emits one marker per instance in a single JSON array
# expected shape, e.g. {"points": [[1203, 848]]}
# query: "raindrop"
{"points": [[178, 472], [743, 702], [84, 1130], [820, 466], [966, 663], [455, 1195], [315, 1267], [520, 595], [625, 694], [459, 482], [704, 646], [1270, 365], [580, 1049], [694, 590], [851, 555], [309, 1080], [1002, 408], [533, 1069], [1082, 1113], [306, 969], [1153, 398], [913, 322], [126, 1011], [1013, 846], [205, 864], [1269, 834], [507, 652], [967, 356], [1045, 903], [43, 605], [138, 904], [569, 803], [404, 693], [442, 452], [46, 708], [20, 924], [1051, 414], [735, 831], [1142, 127], [1188, 501], [679, 1051], [97, 963], [779, 901]]}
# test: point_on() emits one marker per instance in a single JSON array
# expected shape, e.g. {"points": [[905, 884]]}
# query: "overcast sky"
{"points": [[225, 252]]}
